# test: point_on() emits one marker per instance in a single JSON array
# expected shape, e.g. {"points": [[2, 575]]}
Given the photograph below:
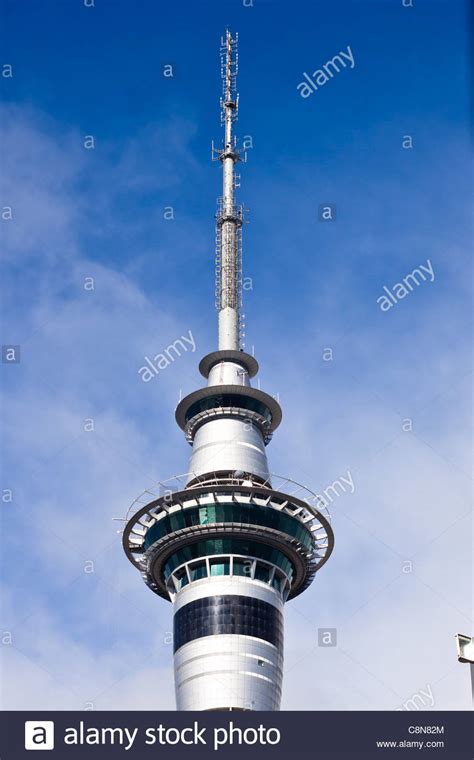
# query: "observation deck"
{"points": [[220, 522]]}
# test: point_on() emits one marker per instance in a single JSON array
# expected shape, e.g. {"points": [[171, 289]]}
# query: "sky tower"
{"points": [[228, 544]]}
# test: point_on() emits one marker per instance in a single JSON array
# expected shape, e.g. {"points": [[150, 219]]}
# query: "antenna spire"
{"points": [[229, 217]]}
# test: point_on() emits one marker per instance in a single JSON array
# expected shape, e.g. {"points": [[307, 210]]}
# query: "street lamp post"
{"points": [[465, 648]]}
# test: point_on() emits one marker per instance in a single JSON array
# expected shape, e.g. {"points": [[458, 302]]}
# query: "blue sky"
{"points": [[101, 637]]}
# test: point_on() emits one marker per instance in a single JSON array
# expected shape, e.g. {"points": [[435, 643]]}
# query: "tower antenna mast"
{"points": [[229, 217]]}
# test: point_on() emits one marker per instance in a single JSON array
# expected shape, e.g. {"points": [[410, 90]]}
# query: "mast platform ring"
{"points": [[247, 361]]}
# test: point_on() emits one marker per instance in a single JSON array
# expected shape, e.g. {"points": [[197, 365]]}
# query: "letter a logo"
{"points": [[39, 734]]}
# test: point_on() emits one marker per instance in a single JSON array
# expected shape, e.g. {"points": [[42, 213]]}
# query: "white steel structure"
{"points": [[228, 544]]}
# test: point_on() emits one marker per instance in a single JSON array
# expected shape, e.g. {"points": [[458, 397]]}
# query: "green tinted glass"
{"points": [[220, 566], [227, 546], [245, 514]]}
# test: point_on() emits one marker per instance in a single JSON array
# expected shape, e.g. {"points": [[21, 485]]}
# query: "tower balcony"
{"points": [[177, 538]]}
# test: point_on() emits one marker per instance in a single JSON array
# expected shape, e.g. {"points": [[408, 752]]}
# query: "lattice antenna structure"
{"points": [[230, 216]]}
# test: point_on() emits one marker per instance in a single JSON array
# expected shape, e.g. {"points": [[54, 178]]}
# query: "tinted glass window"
{"points": [[220, 566], [228, 614], [181, 578], [228, 399], [242, 567], [197, 571], [277, 582], [262, 572], [246, 514], [228, 546]]}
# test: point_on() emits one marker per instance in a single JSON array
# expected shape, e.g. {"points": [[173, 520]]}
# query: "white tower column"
{"points": [[223, 670]]}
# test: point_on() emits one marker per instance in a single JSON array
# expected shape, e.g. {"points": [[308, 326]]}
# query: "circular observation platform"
{"points": [[223, 522], [239, 401], [248, 362]]}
